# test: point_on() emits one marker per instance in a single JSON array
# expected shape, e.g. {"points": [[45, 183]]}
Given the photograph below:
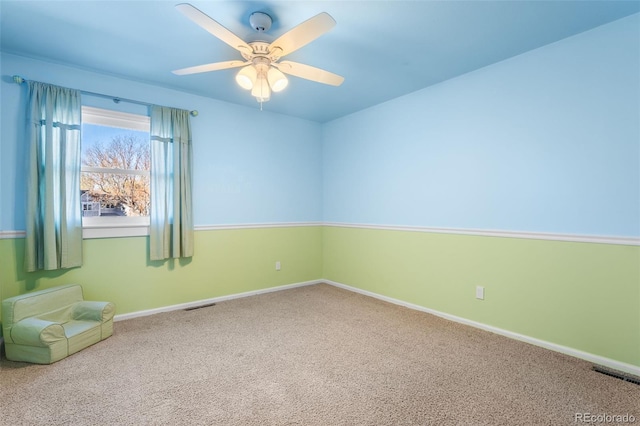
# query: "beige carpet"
{"points": [[314, 355]]}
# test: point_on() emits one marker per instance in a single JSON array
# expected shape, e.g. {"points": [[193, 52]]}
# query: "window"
{"points": [[114, 178]]}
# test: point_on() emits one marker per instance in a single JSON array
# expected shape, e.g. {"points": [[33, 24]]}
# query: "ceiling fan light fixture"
{"points": [[261, 90], [277, 80], [260, 72], [246, 77]]}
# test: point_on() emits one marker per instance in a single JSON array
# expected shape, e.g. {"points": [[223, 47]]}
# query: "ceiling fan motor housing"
{"points": [[260, 21]]}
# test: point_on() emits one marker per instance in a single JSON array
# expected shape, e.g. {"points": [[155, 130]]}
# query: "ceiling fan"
{"points": [[262, 71]]}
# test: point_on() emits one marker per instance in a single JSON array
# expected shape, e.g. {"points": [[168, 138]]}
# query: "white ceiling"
{"points": [[384, 49]]}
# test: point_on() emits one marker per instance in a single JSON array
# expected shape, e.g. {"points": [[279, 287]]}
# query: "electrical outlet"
{"points": [[480, 292], [278, 265]]}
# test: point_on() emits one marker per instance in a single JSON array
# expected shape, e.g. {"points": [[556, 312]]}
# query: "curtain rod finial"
{"points": [[18, 79], [194, 113]]}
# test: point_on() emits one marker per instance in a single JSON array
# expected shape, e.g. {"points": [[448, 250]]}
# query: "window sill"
{"points": [[121, 227], [90, 232]]}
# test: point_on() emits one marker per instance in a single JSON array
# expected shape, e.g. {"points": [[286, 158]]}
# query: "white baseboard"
{"points": [[596, 359], [197, 303]]}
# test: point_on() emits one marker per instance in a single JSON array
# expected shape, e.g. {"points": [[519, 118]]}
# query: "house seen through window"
{"points": [[114, 179]]}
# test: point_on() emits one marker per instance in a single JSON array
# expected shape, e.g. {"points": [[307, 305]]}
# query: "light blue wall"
{"points": [[548, 141], [250, 166]]}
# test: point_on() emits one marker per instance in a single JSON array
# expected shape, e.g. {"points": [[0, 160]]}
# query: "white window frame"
{"points": [[111, 227]]}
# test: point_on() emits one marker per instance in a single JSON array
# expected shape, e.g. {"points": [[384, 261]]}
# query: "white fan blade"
{"points": [[309, 73], [303, 34], [210, 67], [213, 27]]}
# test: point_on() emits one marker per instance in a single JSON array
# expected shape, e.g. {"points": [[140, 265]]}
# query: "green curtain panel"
{"points": [[171, 228], [54, 214]]}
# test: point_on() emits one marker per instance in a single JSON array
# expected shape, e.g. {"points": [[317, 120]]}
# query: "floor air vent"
{"points": [[199, 307], [617, 374]]}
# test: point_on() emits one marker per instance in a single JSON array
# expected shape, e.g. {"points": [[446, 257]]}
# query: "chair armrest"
{"points": [[36, 332], [94, 311]]}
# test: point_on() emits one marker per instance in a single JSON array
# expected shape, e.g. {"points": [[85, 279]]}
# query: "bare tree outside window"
{"points": [[114, 178], [117, 193]]}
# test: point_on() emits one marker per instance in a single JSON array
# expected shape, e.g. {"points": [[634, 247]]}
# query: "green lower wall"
{"points": [[225, 262], [581, 295]]}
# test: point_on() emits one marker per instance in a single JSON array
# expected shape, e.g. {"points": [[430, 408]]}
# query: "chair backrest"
{"points": [[39, 302]]}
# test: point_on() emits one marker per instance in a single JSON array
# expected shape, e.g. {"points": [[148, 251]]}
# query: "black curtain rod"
{"points": [[19, 80]]}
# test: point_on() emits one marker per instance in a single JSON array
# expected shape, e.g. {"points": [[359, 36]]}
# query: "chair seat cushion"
{"points": [[81, 334]]}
